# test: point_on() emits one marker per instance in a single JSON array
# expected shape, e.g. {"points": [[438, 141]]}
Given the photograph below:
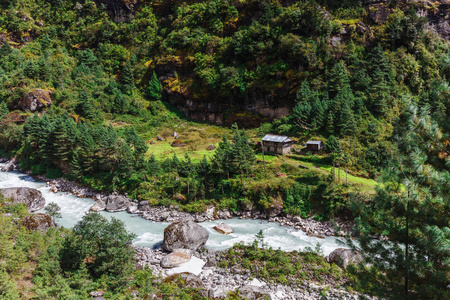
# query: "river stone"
{"points": [[38, 222], [32, 198], [11, 165], [344, 257], [184, 235], [117, 203], [133, 209], [176, 258], [187, 278], [98, 206], [252, 292], [223, 228]]}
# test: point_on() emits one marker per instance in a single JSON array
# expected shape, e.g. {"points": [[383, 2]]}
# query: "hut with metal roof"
{"points": [[279, 144], [314, 146]]}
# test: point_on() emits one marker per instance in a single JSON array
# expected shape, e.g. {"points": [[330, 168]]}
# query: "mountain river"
{"points": [[150, 233]]}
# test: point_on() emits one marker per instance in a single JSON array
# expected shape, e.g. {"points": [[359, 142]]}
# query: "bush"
{"points": [[102, 245]]}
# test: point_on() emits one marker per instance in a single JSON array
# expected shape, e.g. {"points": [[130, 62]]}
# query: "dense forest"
{"points": [[87, 86]]}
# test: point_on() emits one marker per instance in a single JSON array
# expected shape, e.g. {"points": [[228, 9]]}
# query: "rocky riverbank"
{"points": [[114, 202], [217, 282]]}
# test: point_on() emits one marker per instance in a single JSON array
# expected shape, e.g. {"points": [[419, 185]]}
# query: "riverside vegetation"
{"points": [[85, 89]]}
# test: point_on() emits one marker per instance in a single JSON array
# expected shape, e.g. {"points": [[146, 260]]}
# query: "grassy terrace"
{"points": [[198, 137]]}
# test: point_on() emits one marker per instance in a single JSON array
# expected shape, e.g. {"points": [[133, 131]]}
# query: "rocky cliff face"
{"points": [[121, 10], [438, 15]]}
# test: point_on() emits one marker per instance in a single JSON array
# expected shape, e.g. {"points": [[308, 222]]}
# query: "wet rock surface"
{"points": [[32, 198], [223, 228], [10, 165]]}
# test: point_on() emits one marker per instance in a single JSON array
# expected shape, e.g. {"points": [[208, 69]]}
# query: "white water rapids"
{"points": [[150, 233]]}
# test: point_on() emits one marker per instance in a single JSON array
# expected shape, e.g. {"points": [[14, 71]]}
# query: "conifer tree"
{"points": [[87, 58], [5, 49], [154, 88], [330, 123], [45, 42], [380, 93], [347, 121], [120, 103], [127, 78], [338, 78], [84, 106], [412, 210], [3, 109], [30, 69], [220, 161]]}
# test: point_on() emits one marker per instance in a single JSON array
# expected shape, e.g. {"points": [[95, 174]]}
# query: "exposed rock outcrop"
{"points": [[38, 222], [32, 198], [223, 228], [11, 165], [121, 10], [35, 100], [438, 18], [184, 235], [344, 257]]}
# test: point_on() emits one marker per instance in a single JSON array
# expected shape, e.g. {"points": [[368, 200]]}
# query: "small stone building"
{"points": [[314, 146], [279, 144]]}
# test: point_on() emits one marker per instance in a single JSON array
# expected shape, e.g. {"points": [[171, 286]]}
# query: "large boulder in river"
{"points": [[32, 198], [11, 165], [223, 228], [117, 203], [35, 100], [184, 235], [344, 257]]}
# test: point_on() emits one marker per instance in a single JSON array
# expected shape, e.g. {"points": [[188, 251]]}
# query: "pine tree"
{"points": [[338, 79], [30, 69], [127, 78], [347, 121], [45, 42], [242, 157], [220, 161], [154, 88], [120, 103], [84, 106], [5, 49], [412, 209], [380, 93], [87, 58], [3, 109], [330, 123]]}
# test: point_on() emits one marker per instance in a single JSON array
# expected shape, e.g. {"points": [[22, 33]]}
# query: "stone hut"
{"points": [[279, 144], [314, 146]]}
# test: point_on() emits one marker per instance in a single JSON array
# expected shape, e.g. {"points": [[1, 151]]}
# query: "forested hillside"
{"points": [[86, 87]]}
